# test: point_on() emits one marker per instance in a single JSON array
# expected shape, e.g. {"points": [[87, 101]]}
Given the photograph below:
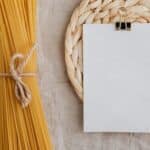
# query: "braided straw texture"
{"points": [[96, 12]]}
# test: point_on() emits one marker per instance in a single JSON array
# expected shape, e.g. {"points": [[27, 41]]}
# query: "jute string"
{"points": [[22, 91]]}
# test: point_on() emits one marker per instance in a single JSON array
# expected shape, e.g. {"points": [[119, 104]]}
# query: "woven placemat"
{"points": [[97, 12]]}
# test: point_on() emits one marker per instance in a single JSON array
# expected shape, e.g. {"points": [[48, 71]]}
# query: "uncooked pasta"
{"points": [[22, 121]]}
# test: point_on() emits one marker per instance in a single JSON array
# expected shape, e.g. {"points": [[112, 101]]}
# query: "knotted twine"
{"points": [[22, 91]]}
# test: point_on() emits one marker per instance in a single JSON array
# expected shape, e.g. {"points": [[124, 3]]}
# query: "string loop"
{"points": [[22, 91]]}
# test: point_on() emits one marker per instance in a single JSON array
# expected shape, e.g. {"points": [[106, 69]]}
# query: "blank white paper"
{"points": [[116, 78]]}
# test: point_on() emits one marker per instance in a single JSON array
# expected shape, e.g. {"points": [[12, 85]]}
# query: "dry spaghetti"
{"points": [[20, 129]]}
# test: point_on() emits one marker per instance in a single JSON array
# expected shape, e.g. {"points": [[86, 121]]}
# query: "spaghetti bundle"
{"points": [[22, 122]]}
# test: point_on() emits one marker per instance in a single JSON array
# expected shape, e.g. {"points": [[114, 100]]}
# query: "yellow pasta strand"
{"points": [[20, 128]]}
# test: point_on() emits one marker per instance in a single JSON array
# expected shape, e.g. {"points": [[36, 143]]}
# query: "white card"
{"points": [[116, 78]]}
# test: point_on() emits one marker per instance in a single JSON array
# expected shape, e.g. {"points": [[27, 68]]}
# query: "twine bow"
{"points": [[22, 91]]}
